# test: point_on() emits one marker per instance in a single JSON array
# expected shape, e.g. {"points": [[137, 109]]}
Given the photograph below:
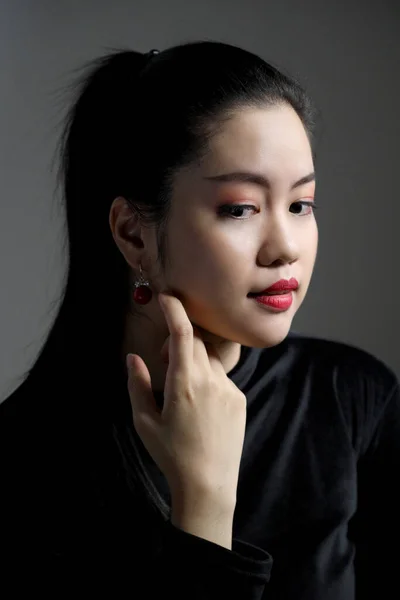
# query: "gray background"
{"points": [[347, 54]]}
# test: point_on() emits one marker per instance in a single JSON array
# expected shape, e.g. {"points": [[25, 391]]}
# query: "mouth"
{"points": [[280, 293], [281, 287]]}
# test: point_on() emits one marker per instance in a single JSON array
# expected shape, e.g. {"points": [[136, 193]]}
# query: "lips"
{"points": [[270, 293], [283, 286]]}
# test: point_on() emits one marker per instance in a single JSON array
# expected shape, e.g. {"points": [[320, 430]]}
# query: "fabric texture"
{"points": [[317, 513]]}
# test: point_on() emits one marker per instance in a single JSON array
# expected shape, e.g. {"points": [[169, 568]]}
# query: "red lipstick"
{"points": [[278, 296], [281, 286]]}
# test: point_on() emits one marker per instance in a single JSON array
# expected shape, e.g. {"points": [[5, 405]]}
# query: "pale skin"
{"points": [[215, 261]]}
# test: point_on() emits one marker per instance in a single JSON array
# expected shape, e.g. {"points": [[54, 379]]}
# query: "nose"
{"points": [[281, 244]]}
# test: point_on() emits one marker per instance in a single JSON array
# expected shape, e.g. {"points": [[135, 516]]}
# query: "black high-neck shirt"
{"points": [[318, 500]]}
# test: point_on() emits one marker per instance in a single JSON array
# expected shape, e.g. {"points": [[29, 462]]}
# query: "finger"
{"points": [[180, 346], [200, 348], [144, 406], [214, 358], [203, 352], [164, 350], [206, 352]]}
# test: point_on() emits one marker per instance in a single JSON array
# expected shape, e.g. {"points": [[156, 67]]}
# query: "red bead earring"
{"points": [[142, 293]]}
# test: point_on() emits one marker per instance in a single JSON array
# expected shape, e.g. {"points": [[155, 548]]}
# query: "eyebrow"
{"points": [[257, 178]]}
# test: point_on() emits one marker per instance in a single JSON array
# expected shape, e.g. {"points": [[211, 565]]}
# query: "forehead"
{"points": [[271, 141], [261, 138]]}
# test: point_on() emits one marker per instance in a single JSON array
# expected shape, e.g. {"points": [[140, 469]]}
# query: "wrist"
{"points": [[203, 501], [206, 520]]}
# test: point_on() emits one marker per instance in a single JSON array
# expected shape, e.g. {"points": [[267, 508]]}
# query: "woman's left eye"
{"points": [[228, 209]]}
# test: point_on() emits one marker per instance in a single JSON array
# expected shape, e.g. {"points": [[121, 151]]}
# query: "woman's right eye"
{"points": [[228, 209]]}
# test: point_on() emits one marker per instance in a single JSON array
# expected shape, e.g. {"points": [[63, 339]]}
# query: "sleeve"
{"points": [[208, 570], [377, 521], [53, 534], [184, 566]]}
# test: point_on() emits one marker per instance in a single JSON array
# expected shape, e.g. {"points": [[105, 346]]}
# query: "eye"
{"points": [[229, 209], [312, 206]]}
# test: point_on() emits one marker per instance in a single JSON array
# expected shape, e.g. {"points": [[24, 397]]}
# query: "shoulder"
{"points": [[346, 361], [364, 388]]}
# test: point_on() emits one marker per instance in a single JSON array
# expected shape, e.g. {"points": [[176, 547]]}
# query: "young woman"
{"points": [[233, 458]]}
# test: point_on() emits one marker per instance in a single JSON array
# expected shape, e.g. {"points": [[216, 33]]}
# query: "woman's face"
{"points": [[215, 259]]}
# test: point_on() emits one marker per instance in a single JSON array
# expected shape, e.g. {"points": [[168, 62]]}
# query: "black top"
{"points": [[317, 513]]}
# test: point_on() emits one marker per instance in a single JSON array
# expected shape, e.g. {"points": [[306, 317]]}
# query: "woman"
{"points": [[233, 458]]}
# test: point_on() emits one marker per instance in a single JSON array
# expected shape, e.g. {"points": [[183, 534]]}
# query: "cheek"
{"points": [[308, 257], [315, 240], [310, 242], [209, 271], [198, 248], [191, 263]]}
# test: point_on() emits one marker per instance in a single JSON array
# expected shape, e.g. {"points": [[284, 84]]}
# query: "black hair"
{"points": [[133, 125]]}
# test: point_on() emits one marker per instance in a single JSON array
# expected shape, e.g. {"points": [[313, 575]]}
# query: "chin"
{"points": [[270, 336]]}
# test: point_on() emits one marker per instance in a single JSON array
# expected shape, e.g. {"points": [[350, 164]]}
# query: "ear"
{"points": [[126, 231]]}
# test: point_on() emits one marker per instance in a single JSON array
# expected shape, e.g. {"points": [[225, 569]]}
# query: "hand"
{"points": [[197, 438]]}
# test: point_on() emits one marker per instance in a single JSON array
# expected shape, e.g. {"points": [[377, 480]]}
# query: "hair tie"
{"points": [[151, 53]]}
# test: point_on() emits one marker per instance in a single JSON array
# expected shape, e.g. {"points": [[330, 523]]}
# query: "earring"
{"points": [[142, 293]]}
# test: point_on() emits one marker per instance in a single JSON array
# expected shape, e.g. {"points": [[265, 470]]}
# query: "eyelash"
{"points": [[225, 210]]}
